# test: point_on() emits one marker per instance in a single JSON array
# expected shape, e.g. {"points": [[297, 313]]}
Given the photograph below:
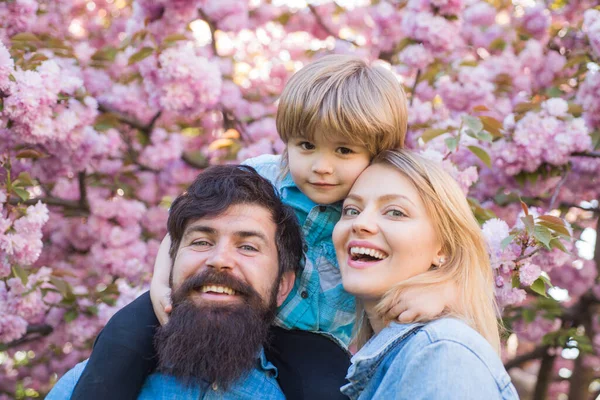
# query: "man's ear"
{"points": [[285, 286]]}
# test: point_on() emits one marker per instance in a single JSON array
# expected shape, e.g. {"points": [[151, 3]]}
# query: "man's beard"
{"points": [[218, 343]]}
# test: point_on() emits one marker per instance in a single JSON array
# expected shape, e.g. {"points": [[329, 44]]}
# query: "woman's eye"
{"points": [[344, 150], [306, 146], [350, 212], [395, 213]]}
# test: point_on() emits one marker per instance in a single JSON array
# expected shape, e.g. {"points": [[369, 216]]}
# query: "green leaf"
{"points": [[22, 193], [529, 224], [473, 123], [174, 38], [482, 155], [557, 244], [525, 208], [554, 92], [26, 179], [30, 153], [108, 53], [543, 235], [546, 280], [140, 55], [539, 287], [20, 273], [497, 44], [451, 143], [485, 136], [560, 229], [492, 125], [528, 315], [516, 281], [580, 59], [506, 241], [61, 286], [71, 315], [25, 37], [429, 134], [524, 107]]}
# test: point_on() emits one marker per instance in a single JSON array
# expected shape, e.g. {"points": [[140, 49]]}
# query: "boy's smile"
{"points": [[325, 170]]}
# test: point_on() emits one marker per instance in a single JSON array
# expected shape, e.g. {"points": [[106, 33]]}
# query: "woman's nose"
{"points": [[364, 223]]}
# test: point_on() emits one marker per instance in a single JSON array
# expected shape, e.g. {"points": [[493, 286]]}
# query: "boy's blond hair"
{"points": [[342, 97], [467, 262]]}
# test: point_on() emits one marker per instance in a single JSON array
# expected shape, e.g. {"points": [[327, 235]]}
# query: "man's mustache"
{"points": [[212, 278]]}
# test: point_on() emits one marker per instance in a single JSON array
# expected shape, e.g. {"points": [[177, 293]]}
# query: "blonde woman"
{"points": [[406, 224]]}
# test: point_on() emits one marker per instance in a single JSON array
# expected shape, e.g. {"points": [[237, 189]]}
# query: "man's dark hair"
{"points": [[221, 186]]}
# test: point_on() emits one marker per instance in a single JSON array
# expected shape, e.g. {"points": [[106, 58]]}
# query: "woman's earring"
{"points": [[441, 261]]}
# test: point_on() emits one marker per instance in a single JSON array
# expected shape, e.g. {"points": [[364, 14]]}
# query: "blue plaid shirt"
{"points": [[318, 302]]}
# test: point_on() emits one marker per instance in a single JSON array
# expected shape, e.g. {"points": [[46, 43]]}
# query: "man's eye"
{"points": [[395, 213], [306, 146], [200, 243], [350, 212], [248, 247], [344, 150]]}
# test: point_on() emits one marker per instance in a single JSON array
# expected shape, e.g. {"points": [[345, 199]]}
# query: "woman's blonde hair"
{"points": [[466, 262], [342, 97]]}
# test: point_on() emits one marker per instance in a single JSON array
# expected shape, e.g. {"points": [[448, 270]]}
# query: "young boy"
{"points": [[334, 116]]}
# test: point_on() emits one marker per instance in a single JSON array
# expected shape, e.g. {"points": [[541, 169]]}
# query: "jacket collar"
{"points": [[368, 358]]}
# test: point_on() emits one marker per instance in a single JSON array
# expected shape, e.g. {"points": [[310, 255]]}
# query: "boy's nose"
{"points": [[322, 167]]}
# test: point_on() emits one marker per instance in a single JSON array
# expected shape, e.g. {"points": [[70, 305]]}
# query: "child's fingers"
{"points": [[396, 310], [408, 316]]}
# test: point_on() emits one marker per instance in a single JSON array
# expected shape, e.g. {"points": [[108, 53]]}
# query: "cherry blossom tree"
{"points": [[109, 108]]}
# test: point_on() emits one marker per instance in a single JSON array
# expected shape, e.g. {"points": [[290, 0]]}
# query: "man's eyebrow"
{"points": [[247, 234], [199, 228]]}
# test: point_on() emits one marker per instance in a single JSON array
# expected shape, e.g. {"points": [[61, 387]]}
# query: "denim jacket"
{"points": [[444, 359], [318, 301], [260, 383]]}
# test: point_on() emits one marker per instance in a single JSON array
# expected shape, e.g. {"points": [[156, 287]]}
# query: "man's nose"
{"points": [[221, 258]]}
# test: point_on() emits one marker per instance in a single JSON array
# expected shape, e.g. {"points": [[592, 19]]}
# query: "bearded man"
{"points": [[235, 249]]}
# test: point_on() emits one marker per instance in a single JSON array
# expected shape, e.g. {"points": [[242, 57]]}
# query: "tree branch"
{"points": [[594, 154], [557, 190], [132, 122], [213, 29], [51, 201], [544, 377], [326, 28], [34, 332], [414, 87], [535, 354]]}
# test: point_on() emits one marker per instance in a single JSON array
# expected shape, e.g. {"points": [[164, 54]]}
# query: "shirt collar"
{"points": [[265, 364], [287, 181]]}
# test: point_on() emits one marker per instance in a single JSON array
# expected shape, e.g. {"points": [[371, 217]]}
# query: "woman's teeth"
{"points": [[217, 289], [358, 251]]}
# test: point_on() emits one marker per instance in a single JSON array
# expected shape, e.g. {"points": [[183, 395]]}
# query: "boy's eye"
{"points": [[344, 150], [350, 212], [395, 213], [306, 146]]}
